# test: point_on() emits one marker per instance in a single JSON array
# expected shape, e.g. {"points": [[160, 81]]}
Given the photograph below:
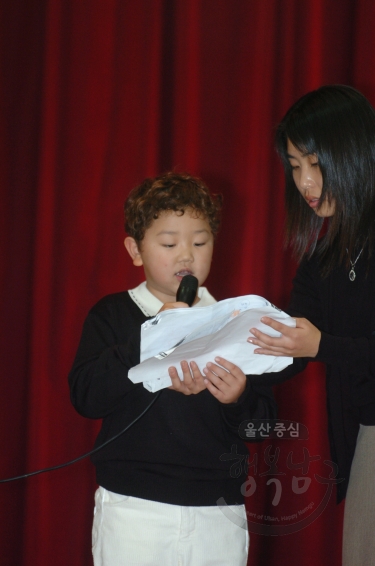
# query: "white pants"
{"points": [[128, 531]]}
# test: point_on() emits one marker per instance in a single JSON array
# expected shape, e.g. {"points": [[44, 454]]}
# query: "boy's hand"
{"points": [[193, 381], [225, 381], [176, 305]]}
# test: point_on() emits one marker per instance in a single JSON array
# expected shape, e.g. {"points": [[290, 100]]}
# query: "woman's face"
{"points": [[309, 181]]}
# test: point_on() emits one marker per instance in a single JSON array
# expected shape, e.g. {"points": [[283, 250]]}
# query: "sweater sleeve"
{"points": [[354, 355], [99, 376]]}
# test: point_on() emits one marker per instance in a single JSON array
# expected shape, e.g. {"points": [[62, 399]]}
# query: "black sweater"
{"points": [[344, 311], [172, 454]]}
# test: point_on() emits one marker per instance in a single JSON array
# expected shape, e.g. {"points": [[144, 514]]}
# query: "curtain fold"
{"points": [[95, 97]]}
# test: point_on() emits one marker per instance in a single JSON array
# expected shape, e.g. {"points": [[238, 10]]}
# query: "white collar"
{"points": [[151, 305]]}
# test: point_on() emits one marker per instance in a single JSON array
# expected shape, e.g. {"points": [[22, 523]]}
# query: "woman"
{"points": [[327, 145]]}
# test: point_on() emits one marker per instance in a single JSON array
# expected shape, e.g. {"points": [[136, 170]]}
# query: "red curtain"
{"points": [[95, 96]]}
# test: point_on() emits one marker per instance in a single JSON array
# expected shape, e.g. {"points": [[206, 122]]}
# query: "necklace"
{"points": [[352, 274]]}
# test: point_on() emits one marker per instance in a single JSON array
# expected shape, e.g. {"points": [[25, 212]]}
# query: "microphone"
{"points": [[187, 290]]}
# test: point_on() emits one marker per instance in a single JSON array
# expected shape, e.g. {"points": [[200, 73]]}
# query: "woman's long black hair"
{"points": [[337, 124]]}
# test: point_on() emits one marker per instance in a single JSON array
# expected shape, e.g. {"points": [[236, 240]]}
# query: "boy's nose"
{"points": [[186, 254]]}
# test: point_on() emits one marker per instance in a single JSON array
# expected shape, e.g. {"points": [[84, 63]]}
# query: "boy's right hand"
{"points": [[177, 305], [193, 380]]}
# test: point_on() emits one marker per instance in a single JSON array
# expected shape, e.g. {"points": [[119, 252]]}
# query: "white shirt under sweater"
{"points": [[151, 305]]}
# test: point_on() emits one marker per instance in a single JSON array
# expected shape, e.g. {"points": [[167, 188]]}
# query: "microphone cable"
{"points": [[88, 453]]}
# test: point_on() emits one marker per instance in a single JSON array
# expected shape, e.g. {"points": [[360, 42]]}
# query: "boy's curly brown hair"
{"points": [[171, 191]]}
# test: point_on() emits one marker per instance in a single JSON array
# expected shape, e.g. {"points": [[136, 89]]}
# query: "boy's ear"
{"points": [[132, 249]]}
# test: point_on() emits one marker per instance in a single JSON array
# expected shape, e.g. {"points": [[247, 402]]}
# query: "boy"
{"points": [[160, 481]]}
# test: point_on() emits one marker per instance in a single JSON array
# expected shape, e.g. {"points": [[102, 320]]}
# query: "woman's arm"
{"points": [[305, 306], [311, 339]]}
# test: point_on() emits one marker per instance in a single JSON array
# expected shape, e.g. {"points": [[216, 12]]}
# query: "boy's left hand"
{"points": [[224, 380]]}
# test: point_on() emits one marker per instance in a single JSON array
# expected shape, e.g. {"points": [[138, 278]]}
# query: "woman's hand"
{"points": [[224, 380], [299, 342], [193, 380]]}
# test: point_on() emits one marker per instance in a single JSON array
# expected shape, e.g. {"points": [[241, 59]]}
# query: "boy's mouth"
{"points": [[182, 273]]}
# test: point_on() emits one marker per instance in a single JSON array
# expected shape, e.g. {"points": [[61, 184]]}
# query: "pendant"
{"points": [[352, 274]]}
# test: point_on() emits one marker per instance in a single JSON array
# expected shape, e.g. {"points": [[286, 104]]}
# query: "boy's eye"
{"points": [[199, 244], [168, 245]]}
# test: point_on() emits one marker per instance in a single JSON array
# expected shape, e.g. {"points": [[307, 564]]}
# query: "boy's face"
{"points": [[173, 246]]}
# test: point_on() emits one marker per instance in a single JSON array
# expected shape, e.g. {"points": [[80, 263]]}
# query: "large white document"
{"points": [[201, 333]]}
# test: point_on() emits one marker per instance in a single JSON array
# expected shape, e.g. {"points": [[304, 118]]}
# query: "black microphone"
{"points": [[187, 290]]}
